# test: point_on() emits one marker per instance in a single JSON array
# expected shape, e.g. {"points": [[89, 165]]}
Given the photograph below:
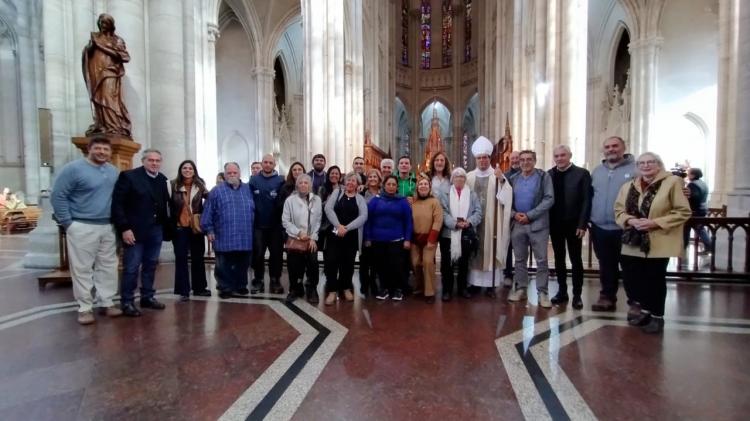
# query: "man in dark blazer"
{"points": [[140, 214], [569, 218]]}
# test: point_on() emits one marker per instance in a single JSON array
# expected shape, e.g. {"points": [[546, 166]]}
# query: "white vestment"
{"points": [[496, 213]]}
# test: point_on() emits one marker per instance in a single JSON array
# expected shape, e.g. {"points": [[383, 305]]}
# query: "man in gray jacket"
{"points": [[616, 169], [533, 197]]}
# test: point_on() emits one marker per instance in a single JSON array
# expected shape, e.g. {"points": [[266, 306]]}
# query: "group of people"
{"points": [[484, 223]]}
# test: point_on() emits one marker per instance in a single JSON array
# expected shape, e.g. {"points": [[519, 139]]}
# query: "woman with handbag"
{"points": [[652, 210], [367, 273], [188, 191], [301, 220], [388, 230], [427, 214], [347, 212], [462, 211]]}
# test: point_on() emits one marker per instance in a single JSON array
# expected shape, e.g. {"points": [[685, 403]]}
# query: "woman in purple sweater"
{"points": [[388, 230]]}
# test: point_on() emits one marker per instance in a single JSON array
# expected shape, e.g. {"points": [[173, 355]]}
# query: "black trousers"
{"points": [[648, 280], [607, 246], [446, 267], [339, 261], [299, 264], [367, 273], [563, 233], [185, 242], [508, 271], [389, 261], [270, 239]]}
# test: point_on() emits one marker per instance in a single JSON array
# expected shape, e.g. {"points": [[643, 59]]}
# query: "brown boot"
{"points": [[603, 304], [113, 311], [330, 298], [86, 317]]}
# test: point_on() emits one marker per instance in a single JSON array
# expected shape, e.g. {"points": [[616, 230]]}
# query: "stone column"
{"points": [[167, 83], [726, 115], [205, 115], [131, 27], [264, 110], [324, 77], [739, 197], [644, 54], [27, 49]]}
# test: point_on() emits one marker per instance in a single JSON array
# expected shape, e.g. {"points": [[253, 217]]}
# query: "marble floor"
{"points": [[259, 358]]}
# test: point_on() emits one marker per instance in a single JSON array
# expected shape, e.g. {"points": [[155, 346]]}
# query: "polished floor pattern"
{"points": [[258, 358]]}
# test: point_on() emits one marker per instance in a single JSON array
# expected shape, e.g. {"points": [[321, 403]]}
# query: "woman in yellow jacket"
{"points": [[428, 220], [652, 210]]}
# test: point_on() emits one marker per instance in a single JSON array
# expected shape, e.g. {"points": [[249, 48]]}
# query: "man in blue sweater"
{"points": [[267, 233], [82, 200]]}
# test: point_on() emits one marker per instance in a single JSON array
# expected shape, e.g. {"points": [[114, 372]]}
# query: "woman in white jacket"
{"points": [[301, 220]]}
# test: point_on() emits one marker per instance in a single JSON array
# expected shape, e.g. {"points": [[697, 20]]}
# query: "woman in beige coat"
{"points": [[652, 210]]}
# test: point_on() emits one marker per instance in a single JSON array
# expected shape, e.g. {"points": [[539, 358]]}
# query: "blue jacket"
{"points": [[266, 190], [388, 219], [606, 183]]}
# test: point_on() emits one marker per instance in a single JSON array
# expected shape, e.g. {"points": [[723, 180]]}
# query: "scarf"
{"points": [[459, 207], [632, 208]]}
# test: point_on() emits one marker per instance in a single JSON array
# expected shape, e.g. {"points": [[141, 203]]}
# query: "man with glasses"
{"points": [[616, 169]]}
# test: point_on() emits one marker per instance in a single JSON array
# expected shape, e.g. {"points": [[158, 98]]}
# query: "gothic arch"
{"points": [[235, 148], [292, 17], [620, 31], [245, 14]]}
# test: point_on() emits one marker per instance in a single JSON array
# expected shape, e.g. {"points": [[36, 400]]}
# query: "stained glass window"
{"points": [[425, 34], [467, 31], [405, 32], [447, 33]]}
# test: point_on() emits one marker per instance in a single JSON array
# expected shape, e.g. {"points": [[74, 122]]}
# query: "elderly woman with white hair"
{"points": [[462, 212], [301, 220], [652, 210]]}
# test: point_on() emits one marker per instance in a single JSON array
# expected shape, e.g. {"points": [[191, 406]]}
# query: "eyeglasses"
{"points": [[644, 163]]}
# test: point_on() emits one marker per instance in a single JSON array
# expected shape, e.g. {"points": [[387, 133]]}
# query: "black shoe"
{"points": [[243, 291], [577, 303], [641, 320], [184, 298], [225, 294], [276, 287], [130, 310], [490, 292], [382, 295], [447, 296], [312, 295], [655, 325], [291, 297], [430, 299], [152, 303], [257, 287], [560, 298], [465, 293], [204, 293], [397, 296]]}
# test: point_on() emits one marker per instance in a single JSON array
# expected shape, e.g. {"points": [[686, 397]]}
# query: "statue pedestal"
{"points": [[123, 150]]}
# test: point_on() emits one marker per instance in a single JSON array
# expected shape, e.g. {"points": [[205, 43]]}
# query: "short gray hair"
{"points": [[387, 161], [565, 148], [655, 156], [148, 151], [352, 175], [231, 163], [301, 177], [458, 172]]}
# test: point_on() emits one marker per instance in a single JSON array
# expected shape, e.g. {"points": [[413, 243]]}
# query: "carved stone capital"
{"points": [[213, 32]]}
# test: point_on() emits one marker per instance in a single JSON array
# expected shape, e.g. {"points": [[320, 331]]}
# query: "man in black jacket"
{"points": [[140, 214], [569, 218]]}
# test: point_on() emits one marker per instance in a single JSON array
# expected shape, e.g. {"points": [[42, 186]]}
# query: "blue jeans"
{"points": [[231, 270], [143, 255]]}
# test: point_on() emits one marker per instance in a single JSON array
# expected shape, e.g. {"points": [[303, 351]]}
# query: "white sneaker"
{"points": [[518, 294], [544, 300]]}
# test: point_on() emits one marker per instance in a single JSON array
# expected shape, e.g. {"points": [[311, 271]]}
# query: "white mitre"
{"points": [[481, 146]]}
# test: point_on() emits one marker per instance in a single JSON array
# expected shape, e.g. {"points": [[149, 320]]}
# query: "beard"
{"points": [[234, 181]]}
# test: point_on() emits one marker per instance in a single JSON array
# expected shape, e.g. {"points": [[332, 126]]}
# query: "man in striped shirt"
{"points": [[227, 220]]}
